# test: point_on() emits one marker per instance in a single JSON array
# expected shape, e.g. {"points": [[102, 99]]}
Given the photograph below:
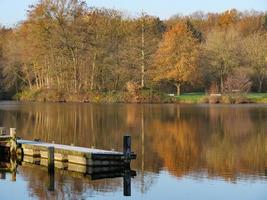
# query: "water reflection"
{"points": [[8, 165], [226, 142], [43, 179]]}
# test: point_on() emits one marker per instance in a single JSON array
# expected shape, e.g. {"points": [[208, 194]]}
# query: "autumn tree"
{"points": [[17, 69], [3, 33], [228, 18], [45, 44], [256, 56], [146, 34], [66, 49], [250, 22], [176, 60], [221, 54], [3, 42]]}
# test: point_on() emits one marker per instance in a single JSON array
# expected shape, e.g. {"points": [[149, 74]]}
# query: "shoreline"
{"points": [[137, 103], [146, 96]]}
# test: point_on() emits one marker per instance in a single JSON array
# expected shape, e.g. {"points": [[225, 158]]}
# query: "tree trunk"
{"points": [[93, 73], [222, 73], [76, 71], [178, 89], [143, 55], [58, 83], [221, 84], [116, 85], [29, 83], [260, 85]]}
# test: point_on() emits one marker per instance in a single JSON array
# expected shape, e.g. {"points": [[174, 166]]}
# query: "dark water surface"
{"points": [[184, 151]]}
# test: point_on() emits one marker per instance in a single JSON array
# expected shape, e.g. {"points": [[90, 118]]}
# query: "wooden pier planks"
{"points": [[74, 150], [93, 163], [66, 153], [73, 154]]}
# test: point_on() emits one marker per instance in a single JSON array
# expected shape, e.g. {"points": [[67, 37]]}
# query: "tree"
{"points": [[4, 33], [146, 34], [228, 18], [68, 50], [256, 55], [221, 54], [176, 60], [250, 22]]}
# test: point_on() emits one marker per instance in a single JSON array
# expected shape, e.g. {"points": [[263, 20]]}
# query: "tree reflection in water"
{"points": [[225, 141]]}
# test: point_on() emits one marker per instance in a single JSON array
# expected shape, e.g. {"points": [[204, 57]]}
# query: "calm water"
{"points": [[184, 152]]}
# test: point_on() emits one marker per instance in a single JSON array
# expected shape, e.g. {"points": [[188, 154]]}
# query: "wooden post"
{"points": [[51, 184], [127, 183], [13, 133], [13, 142], [51, 168], [127, 149], [51, 158], [2, 131]]}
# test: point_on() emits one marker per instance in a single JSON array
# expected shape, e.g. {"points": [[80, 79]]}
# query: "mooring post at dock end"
{"points": [[51, 168], [51, 158], [13, 141], [127, 149], [13, 132]]}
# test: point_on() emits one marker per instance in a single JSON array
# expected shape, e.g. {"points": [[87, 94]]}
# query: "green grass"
{"points": [[197, 97], [258, 97], [194, 97]]}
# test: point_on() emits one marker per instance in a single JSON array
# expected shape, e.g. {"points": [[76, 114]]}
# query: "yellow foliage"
{"points": [[177, 56]]}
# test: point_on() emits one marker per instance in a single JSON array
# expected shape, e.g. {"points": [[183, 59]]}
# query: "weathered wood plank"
{"points": [[73, 155], [67, 148], [31, 152], [90, 162], [30, 159], [58, 156]]}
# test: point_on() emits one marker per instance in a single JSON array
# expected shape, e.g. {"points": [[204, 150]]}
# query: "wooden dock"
{"points": [[90, 162], [65, 154], [73, 154]]}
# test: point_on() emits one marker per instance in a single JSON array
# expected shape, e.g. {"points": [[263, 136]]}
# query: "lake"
{"points": [[183, 151]]}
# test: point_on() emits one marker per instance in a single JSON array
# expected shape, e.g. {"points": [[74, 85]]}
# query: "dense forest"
{"points": [[68, 51]]}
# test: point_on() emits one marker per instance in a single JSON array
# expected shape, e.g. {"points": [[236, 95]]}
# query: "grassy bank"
{"points": [[258, 97], [141, 96], [194, 98]]}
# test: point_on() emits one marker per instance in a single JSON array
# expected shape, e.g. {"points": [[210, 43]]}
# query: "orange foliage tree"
{"points": [[176, 60]]}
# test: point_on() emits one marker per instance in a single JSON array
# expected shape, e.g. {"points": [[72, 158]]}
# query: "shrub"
{"points": [[238, 82], [236, 87], [213, 99], [132, 87]]}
